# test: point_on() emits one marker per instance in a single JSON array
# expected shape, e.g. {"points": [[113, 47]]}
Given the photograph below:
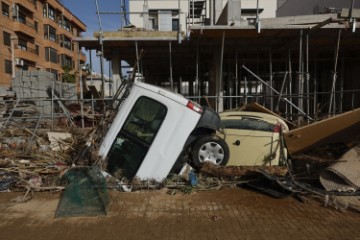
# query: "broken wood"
{"points": [[241, 171], [343, 128]]}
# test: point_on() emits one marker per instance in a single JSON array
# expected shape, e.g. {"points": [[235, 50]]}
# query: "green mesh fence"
{"points": [[85, 195]]}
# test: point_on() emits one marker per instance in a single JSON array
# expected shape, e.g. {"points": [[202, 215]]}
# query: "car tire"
{"points": [[210, 148]]}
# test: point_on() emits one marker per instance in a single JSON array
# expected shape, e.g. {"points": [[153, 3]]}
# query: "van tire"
{"points": [[210, 148]]}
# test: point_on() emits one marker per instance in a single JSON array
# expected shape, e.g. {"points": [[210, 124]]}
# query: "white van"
{"points": [[154, 130]]}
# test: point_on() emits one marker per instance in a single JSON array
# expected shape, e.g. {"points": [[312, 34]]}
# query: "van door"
{"points": [[135, 137]]}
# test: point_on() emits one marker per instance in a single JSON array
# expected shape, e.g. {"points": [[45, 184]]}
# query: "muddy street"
{"points": [[231, 213]]}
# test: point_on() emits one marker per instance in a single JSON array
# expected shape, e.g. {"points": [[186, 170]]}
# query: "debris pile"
{"points": [[37, 160]]}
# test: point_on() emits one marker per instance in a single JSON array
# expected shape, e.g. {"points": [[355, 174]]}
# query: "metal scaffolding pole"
{"points": [[220, 92], [197, 92], [332, 94], [171, 73], [236, 79], [315, 89], [290, 87], [300, 77], [307, 76], [271, 82], [81, 89]]}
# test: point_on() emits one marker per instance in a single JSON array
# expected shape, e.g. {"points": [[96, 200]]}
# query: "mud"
{"points": [[232, 213]]}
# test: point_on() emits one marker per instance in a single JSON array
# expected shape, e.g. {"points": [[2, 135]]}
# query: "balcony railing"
{"points": [[29, 24], [25, 48]]}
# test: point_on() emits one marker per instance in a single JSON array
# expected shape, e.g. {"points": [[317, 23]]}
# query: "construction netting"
{"points": [[85, 194]]}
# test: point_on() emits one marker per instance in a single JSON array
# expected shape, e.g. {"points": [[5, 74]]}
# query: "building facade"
{"points": [[37, 35], [308, 7], [177, 15]]}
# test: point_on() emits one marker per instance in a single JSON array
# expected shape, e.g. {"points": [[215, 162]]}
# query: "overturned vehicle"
{"points": [[156, 131]]}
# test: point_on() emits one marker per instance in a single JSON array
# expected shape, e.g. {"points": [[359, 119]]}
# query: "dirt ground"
{"points": [[231, 213]]}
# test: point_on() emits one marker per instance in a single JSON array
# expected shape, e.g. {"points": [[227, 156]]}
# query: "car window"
{"points": [[135, 137], [248, 124], [145, 119]]}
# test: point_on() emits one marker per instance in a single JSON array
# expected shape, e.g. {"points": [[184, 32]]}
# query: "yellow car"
{"points": [[253, 138]]}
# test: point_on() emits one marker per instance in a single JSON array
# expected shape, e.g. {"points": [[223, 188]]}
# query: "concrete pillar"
{"points": [[116, 69], [214, 81]]}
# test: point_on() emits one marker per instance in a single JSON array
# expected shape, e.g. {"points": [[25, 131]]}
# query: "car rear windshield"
{"points": [[248, 124]]}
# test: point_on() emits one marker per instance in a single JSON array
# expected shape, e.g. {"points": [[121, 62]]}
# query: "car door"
{"points": [[252, 141]]}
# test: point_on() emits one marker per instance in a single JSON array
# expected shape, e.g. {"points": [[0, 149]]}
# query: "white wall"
{"points": [[136, 7], [308, 7], [269, 7]]}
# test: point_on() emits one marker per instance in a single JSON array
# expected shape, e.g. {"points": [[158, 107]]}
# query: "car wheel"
{"points": [[210, 148]]}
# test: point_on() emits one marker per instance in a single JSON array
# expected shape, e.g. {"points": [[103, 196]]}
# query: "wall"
{"points": [[307, 7]]}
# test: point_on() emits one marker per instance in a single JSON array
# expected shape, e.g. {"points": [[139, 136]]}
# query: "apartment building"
{"points": [[37, 35], [174, 15]]}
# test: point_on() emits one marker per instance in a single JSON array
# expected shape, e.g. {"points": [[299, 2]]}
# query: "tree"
{"points": [[68, 77]]}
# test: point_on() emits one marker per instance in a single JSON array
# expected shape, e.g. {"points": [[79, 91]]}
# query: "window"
{"points": [[175, 24], [66, 25], [22, 44], [51, 55], [7, 39], [145, 119], [37, 49], [44, 11], [50, 33], [8, 67], [51, 13], [22, 18], [248, 123], [135, 137], [5, 9], [66, 61], [66, 42]]}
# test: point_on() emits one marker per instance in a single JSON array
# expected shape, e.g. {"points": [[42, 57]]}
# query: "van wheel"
{"points": [[210, 148]]}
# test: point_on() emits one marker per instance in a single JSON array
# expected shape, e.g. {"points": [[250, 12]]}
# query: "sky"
{"points": [[85, 10]]}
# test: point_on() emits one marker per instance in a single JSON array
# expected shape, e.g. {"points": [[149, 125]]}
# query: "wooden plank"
{"points": [[343, 128]]}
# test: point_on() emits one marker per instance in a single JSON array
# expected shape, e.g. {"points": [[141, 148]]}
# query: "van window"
{"points": [[136, 136], [145, 119]]}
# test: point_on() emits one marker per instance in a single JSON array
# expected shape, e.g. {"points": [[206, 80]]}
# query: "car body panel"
{"points": [[253, 143]]}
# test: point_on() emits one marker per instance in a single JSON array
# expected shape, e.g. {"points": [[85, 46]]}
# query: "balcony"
{"points": [[51, 65], [26, 53], [29, 5], [24, 27], [52, 44], [82, 57]]}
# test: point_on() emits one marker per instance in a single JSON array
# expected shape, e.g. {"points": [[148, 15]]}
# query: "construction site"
{"points": [[159, 142]]}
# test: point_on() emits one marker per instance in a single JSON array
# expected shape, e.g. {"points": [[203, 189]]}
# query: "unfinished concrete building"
{"points": [[301, 66]]}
